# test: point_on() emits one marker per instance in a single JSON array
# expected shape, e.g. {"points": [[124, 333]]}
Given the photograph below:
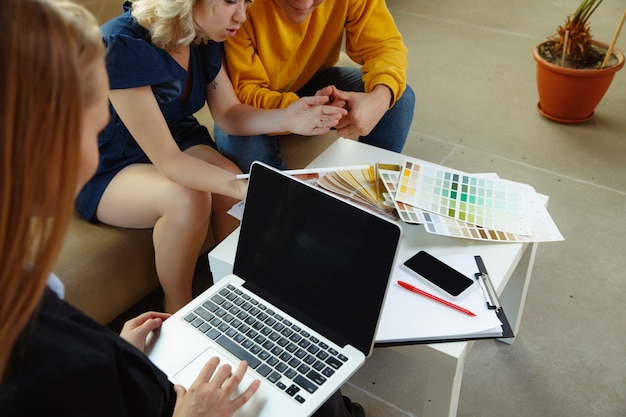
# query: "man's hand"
{"points": [[364, 109]]}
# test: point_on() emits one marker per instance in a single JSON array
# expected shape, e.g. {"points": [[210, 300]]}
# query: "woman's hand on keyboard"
{"points": [[210, 394]]}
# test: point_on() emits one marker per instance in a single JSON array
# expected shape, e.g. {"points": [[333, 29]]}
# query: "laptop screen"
{"points": [[321, 259]]}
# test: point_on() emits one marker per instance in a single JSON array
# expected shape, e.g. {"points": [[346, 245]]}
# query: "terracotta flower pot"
{"points": [[570, 95]]}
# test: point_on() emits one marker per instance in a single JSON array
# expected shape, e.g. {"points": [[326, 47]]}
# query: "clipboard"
{"points": [[493, 307], [492, 299]]}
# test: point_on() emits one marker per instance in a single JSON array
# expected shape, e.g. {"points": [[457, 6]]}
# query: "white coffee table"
{"points": [[509, 264]]}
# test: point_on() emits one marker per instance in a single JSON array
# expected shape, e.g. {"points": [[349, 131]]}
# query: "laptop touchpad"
{"points": [[189, 373]]}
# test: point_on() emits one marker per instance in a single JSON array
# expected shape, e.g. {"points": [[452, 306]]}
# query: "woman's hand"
{"points": [[312, 116], [135, 331], [210, 394]]}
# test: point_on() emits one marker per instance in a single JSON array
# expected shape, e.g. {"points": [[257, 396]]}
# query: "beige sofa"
{"points": [[107, 270]]}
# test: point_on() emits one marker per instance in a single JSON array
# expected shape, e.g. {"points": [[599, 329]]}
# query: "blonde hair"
{"points": [[170, 22], [48, 50]]}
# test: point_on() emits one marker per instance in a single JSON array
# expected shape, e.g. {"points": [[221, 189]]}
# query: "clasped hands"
{"points": [[352, 114], [364, 110]]}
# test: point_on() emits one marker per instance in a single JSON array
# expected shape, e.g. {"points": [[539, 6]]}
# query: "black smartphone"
{"points": [[438, 273]]}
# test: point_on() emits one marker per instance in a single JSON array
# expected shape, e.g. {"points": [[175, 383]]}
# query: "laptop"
{"points": [[302, 306]]}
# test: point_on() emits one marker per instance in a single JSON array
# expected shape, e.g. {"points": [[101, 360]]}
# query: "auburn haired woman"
{"points": [[54, 360]]}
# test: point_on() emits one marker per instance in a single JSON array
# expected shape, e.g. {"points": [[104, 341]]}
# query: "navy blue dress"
{"points": [[132, 61]]}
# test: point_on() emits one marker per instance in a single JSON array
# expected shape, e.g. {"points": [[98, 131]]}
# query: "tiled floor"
{"points": [[472, 69]]}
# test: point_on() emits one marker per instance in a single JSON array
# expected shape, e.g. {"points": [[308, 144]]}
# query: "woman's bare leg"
{"points": [[141, 197]]}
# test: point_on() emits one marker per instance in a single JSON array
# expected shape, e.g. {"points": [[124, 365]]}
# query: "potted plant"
{"points": [[573, 70]]}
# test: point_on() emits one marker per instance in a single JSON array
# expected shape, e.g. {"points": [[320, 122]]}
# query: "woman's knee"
{"points": [[186, 205]]}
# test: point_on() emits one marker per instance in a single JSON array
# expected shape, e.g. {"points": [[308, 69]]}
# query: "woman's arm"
{"points": [[307, 116], [141, 114]]}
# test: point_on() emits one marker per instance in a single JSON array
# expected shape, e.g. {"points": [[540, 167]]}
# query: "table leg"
{"points": [[513, 296]]}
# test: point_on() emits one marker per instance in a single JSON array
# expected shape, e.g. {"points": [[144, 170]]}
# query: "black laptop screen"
{"points": [[319, 258]]}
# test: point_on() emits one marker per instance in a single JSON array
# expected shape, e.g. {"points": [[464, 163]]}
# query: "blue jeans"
{"points": [[390, 132]]}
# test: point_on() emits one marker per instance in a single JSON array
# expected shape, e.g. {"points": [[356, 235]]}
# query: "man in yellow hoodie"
{"points": [[288, 49]]}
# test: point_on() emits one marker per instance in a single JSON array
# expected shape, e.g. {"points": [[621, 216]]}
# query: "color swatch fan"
{"points": [[359, 186], [448, 202]]}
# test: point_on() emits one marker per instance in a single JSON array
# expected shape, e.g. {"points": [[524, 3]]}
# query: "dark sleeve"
{"points": [[68, 365], [131, 59], [133, 62]]}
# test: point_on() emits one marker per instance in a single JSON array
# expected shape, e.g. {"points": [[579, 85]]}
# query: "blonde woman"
{"points": [[159, 167], [54, 360]]}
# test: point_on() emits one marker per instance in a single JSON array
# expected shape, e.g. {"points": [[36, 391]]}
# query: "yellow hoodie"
{"points": [[270, 58]]}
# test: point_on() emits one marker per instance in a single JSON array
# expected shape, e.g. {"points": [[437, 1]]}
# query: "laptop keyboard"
{"points": [[280, 351]]}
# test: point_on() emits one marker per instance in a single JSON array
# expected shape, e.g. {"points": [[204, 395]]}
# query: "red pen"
{"points": [[434, 297]]}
